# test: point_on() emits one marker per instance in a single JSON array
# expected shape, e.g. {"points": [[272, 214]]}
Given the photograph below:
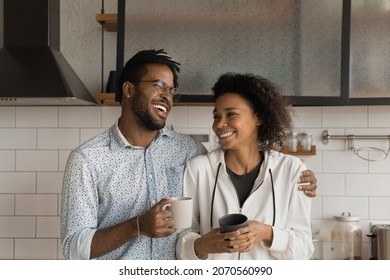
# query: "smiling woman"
{"points": [[235, 123], [247, 176]]}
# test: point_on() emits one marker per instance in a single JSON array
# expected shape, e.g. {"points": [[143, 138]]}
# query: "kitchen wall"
{"points": [[35, 143]]}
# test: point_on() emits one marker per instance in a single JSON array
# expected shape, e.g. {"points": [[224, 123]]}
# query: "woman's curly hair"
{"points": [[267, 103]]}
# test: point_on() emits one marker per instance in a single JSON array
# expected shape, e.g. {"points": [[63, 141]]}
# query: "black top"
{"points": [[244, 183]]}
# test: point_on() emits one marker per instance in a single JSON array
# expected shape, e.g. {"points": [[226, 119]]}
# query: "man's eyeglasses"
{"points": [[161, 87]]}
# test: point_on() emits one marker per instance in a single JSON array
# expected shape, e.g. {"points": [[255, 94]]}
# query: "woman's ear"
{"points": [[259, 122]]}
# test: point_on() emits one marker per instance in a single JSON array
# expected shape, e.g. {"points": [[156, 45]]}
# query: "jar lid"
{"points": [[346, 217]]}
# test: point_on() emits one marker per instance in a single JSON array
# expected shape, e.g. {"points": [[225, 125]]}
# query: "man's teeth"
{"points": [[161, 108], [226, 134]]}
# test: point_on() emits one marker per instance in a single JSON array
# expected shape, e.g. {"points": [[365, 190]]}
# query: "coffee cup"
{"points": [[232, 222], [181, 208]]}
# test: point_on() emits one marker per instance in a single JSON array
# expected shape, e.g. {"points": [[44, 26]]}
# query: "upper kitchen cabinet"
{"points": [[302, 46], [369, 52]]}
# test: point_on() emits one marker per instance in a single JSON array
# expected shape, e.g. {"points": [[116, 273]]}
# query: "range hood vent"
{"points": [[32, 69]]}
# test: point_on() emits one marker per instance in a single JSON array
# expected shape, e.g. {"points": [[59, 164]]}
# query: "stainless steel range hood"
{"points": [[32, 69]]}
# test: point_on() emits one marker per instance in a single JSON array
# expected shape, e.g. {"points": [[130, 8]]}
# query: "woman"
{"points": [[247, 175]]}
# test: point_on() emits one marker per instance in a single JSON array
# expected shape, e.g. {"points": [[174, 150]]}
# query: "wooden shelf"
{"points": [[108, 98], [109, 21], [300, 151]]}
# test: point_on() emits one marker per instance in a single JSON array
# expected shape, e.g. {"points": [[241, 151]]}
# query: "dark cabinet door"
{"points": [[316, 52], [369, 50]]}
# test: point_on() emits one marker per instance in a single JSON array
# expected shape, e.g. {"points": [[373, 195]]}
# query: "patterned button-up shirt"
{"points": [[108, 181]]}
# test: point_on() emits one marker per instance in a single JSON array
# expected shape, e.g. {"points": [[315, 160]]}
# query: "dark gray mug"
{"points": [[111, 83], [232, 222]]}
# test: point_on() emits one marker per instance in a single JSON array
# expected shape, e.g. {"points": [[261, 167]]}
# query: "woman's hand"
{"points": [[254, 233], [308, 183], [216, 242], [242, 240]]}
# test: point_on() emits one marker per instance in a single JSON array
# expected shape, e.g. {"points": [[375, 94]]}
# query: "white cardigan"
{"points": [[291, 232]]}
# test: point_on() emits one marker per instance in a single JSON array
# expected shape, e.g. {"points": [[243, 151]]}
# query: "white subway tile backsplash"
{"points": [[35, 249], [34, 150], [80, 116], [382, 166], [38, 204], [7, 249], [307, 117], [110, 115], [178, 117], [48, 227], [37, 160], [194, 131], [60, 256], [345, 116], [49, 182], [379, 116], [368, 185], [200, 116], [17, 182], [88, 133], [7, 160], [335, 206], [313, 162], [331, 184], [7, 205], [202, 133], [343, 162], [7, 116], [63, 157], [19, 138], [36, 116], [379, 208], [50, 139], [59, 204], [17, 227], [316, 208]]}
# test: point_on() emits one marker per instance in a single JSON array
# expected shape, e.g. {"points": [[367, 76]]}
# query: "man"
{"points": [[116, 184]]}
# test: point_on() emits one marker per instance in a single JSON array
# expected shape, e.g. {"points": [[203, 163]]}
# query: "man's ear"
{"points": [[128, 89]]}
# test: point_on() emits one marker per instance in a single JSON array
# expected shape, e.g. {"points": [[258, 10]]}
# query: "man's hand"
{"points": [[157, 222], [308, 183]]}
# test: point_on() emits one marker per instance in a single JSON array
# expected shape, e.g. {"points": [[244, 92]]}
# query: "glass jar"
{"points": [[317, 243], [292, 142], [346, 238], [305, 140]]}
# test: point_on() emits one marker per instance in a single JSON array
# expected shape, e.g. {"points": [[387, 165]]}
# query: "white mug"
{"points": [[181, 208]]}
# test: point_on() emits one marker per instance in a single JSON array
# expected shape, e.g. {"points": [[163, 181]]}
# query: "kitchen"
{"points": [[35, 142]]}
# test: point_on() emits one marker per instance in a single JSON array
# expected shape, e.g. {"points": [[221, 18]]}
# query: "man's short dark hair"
{"points": [[135, 68]]}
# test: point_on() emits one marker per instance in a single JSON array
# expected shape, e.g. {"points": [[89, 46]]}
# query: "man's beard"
{"points": [[150, 122], [145, 116]]}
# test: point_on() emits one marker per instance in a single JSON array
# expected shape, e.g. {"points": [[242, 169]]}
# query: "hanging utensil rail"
{"points": [[326, 137], [359, 152]]}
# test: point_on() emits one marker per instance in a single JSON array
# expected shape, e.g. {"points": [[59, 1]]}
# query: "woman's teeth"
{"points": [[226, 134]]}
